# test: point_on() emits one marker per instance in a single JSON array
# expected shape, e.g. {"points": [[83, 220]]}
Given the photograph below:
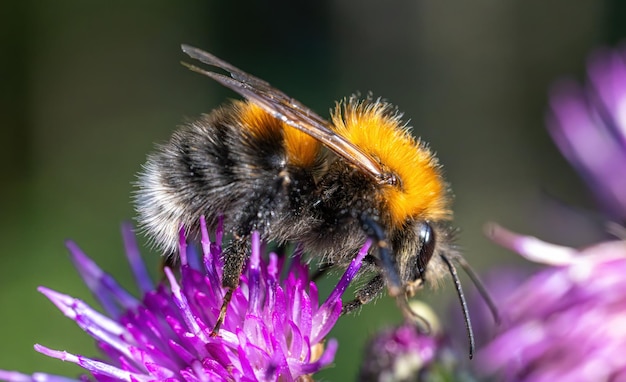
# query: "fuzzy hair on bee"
{"points": [[270, 164]]}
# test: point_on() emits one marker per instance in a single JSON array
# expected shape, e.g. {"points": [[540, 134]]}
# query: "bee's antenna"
{"points": [[480, 287], [459, 292]]}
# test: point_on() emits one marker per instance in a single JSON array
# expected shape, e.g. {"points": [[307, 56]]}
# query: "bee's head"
{"points": [[423, 255], [418, 248], [413, 265]]}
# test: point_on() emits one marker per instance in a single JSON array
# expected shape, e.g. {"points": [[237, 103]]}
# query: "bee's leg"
{"points": [[168, 260], [280, 250], [321, 270], [234, 257], [365, 294]]}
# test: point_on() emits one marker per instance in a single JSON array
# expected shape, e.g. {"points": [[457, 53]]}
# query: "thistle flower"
{"points": [[274, 328], [589, 127], [398, 354], [568, 321], [404, 353]]}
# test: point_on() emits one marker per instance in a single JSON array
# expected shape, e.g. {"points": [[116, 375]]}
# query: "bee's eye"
{"points": [[427, 247]]}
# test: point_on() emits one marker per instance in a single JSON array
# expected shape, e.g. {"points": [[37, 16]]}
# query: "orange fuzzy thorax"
{"points": [[378, 131], [302, 150]]}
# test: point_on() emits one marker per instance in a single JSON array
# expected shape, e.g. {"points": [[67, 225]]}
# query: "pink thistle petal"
{"points": [[588, 124], [73, 308], [181, 302], [109, 293], [350, 273], [254, 272], [325, 360], [93, 366], [13, 376], [530, 247], [140, 272]]}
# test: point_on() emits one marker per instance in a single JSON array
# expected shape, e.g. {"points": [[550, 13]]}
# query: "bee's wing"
{"points": [[287, 110]]}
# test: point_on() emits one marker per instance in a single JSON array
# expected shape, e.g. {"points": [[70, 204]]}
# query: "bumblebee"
{"points": [[270, 164]]}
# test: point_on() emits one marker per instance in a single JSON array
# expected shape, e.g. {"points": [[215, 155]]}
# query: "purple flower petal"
{"points": [[14, 376], [142, 278], [113, 298], [589, 127]]}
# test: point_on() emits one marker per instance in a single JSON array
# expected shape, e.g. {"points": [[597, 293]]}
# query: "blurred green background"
{"points": [[88, 88]]}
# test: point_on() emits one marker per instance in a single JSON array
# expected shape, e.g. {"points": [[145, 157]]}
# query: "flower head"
{"points": [[589, 126], [274, 327], [568, 321], [406, 353], [398, 354]]}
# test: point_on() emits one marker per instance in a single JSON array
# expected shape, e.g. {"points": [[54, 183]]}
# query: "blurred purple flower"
{"points": [[404, 353], [398, 354], [274, 328], [567, 322], [589, 126]]}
